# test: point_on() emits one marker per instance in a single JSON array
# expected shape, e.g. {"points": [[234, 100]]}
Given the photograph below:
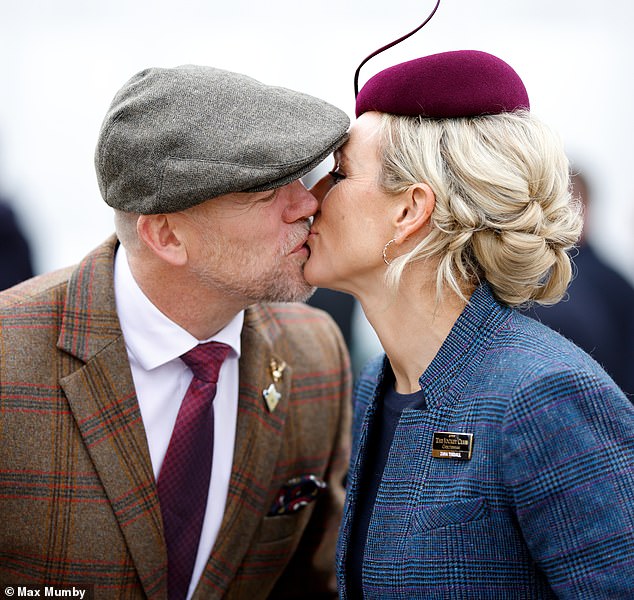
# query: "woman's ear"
{"points": [[161, 234], [415, 209]]}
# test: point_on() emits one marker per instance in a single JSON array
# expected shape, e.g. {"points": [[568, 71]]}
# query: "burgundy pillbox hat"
{"points": [[463, 83]]}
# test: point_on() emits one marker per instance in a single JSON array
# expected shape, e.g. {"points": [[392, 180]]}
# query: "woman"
{"points": [[492, 458]]}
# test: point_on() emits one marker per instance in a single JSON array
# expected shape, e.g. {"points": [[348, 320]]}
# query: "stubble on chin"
{"points": [[291, 285], [292, 288], [238, 272], [282, 282]]}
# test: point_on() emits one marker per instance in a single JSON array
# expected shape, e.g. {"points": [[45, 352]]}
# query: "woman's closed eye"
{"points": [[336, 176]]}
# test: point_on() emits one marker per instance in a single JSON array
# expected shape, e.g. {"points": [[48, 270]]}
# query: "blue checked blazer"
{"points": [[545, 506]]}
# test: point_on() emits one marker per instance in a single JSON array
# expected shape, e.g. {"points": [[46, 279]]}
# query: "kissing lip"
{"points": [[312, 234], [300, 246]]}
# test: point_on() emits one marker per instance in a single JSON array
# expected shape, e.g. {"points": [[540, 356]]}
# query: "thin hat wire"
{"points": [[387, 46]]}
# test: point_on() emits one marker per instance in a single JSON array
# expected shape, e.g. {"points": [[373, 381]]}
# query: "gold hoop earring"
{"points": [[385, 260]]}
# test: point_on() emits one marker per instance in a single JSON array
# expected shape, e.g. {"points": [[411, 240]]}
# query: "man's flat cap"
{"points": [[174, 138], [463, 83]]}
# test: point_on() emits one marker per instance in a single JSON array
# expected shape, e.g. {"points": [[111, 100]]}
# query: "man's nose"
{"points": [[301, 205]]}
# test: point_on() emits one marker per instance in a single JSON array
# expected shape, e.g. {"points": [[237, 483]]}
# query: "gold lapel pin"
{"points": [[277, 369], [271, 395]]}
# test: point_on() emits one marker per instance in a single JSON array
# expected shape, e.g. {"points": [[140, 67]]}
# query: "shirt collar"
{"points": [[150, 336]]}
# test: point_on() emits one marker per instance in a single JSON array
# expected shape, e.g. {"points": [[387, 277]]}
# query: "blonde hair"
{"points": [[503, 210]]}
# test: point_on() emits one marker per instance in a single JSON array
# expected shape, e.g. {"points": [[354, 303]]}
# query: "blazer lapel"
{"points": [[369, 394], [257, 446], [101, 394]]}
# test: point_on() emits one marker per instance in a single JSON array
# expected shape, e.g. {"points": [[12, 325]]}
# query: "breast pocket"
{"points": [[277, 529], [450, 513]]}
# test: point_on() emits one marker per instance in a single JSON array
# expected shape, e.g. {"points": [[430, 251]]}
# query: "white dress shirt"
{"points": [[154, 344]]}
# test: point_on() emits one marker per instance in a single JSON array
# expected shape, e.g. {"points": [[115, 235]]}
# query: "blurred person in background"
{"points": [[15, 252], [597, 312], [361, 339]]}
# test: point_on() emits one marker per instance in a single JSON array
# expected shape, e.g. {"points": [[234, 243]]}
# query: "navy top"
{"points": [[390, 407]]}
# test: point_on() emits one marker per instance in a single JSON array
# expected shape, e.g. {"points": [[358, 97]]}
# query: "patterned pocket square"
{"points": [[296, 493]]}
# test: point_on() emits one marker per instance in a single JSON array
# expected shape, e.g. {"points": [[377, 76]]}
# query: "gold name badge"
{"points": [[452, 445]]}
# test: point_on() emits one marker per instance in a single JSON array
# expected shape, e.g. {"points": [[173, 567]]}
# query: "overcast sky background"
{"points": [[61, 63]]}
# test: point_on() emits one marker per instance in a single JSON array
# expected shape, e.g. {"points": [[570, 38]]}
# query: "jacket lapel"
{"points": [[257, 446], [101, 394], [368, 392]]}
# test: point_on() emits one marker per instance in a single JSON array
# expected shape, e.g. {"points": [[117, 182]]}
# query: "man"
{"points": [[201, 167]]}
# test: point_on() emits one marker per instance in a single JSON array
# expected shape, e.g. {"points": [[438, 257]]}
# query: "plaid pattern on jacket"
{"points": [[545, 506], [77, 494]]}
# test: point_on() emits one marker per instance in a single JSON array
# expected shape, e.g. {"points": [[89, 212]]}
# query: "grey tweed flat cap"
{"points": [[174, 138]]}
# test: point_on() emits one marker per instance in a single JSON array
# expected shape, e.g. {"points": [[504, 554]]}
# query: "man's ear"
{"points": [[415, 208], [162, 236]]}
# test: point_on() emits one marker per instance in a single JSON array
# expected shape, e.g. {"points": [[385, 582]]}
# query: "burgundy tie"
{"points": [[183, 481]]}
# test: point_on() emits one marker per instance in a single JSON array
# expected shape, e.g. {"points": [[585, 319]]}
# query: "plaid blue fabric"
{"points": [[545, 506]]}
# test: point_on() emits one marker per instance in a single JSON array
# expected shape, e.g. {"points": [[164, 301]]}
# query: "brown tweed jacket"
{"points": [[78, 501]]}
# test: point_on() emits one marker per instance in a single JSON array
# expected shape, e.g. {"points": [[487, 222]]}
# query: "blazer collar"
{"points": [[90, 319], [462, 349]]}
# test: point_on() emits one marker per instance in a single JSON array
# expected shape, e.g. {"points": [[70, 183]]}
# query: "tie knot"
{"points": [[206, 359]]}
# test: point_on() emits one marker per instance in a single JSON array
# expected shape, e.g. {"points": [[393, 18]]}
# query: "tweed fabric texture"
{"points": [[545, 506], [183, 482], [75, 470], [174, 138], [462, 83]]}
